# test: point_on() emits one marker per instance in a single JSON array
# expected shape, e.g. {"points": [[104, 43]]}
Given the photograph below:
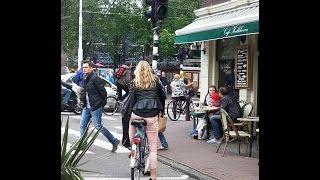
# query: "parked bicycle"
{"points": [[139, 156], [177, 107]]}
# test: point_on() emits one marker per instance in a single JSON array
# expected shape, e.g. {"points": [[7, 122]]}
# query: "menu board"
{"points": [[241, 67]]}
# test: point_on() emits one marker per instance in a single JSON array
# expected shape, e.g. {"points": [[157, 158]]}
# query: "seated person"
{"points": [[65, 93], [212, 99], [231, 106]]}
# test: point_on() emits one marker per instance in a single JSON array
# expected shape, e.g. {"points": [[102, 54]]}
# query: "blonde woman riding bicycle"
{"points": [[149, 94]]}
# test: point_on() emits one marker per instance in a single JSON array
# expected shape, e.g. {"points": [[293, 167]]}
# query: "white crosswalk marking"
{"points": [[141, 178], [87, 152], [115, 134], [110, 118], [101, 143]]}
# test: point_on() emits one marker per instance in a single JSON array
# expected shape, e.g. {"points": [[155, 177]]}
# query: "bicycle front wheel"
{"points": [[172, 110], [111, 107]]}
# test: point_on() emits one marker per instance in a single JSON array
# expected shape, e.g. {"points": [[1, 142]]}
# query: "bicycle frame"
{"points": [[139, 143], [178, 107]]}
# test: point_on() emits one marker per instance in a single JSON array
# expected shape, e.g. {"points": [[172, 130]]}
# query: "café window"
{"points": [[226, 49]]}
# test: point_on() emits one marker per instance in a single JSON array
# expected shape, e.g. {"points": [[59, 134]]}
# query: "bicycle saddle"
{"points": [[137, 122]]}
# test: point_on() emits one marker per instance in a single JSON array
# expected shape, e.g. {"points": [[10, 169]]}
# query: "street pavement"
{"points": [[112, 166], [186, 158]]}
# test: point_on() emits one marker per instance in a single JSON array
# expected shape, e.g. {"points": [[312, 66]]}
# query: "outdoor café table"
{"points": [[205, 110], [200, 113], [252, 120], [195, 115]]}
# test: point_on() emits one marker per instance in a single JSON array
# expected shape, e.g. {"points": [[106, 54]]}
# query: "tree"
{"points": [[180, 14], [112, 21]]}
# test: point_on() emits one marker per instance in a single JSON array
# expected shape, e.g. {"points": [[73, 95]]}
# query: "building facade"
{"points": [[228, 33]]}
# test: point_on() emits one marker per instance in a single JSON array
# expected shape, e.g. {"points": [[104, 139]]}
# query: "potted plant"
{"points": [[71, 157]]}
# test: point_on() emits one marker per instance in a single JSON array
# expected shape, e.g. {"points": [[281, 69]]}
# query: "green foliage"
{"points": [[180, 14], [166, 40], [110, 21], [71, 157]]}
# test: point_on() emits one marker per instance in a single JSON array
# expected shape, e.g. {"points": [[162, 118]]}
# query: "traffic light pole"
{"points": [[155, 52], [80, 50]]}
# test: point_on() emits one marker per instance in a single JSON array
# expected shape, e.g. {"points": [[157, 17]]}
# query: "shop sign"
{"points": [[242, 67], [235, 30]]}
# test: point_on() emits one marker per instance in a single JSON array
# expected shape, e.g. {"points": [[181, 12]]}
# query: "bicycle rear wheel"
{"points": [[146, 159], [173, 113], [111, 107], [191, 107], [135, 173], [135, 169]]}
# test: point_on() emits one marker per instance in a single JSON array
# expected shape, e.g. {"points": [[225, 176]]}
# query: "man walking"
{"points": [[94, 98], [65, 93]]}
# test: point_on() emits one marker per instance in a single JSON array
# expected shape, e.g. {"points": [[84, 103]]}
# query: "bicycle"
{"points": [[113, 105], [177, 107], [139, 156]]}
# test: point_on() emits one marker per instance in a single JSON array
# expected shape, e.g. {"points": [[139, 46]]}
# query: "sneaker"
{"points": [[218, 141], [211, 141], [162, 148], [115, 145]]}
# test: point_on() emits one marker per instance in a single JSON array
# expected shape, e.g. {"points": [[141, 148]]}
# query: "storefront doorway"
{"points": [[226, 49]]}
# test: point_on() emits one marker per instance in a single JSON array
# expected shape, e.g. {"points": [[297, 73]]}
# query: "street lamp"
{"points": [[80, 50]]}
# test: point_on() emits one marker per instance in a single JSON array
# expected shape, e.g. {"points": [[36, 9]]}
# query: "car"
{"points": [[109, 86]]}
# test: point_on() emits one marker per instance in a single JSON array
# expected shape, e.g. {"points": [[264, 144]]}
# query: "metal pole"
{"points": [[80, 50], [155, 49], [187, 107]]}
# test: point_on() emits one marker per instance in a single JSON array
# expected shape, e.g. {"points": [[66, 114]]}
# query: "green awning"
{"points": [[237, 22]]}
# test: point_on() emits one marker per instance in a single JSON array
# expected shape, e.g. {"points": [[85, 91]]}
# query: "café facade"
{"points": [[228, 35]]}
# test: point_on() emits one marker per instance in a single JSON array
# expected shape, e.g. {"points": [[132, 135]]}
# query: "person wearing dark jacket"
{"points": [[65, 93], [123, 82], [164, 81], [79, 80], [94, 98], [148, 95], [231, 106]]}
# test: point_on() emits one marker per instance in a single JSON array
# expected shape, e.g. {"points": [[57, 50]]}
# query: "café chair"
{"points": [[257, 130], [230, 131], [246, 111], [241, 103]]}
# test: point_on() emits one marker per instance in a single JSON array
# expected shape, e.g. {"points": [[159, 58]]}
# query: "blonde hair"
{"points": [[145, 79]]}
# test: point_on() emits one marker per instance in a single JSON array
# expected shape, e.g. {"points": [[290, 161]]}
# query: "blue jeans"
{"points": [[96, 119], [216, 126], [66, 95], [163, 140]]}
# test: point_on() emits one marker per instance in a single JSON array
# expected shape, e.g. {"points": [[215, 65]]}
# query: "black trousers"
{"points": [[121, 87], [125, 131]]}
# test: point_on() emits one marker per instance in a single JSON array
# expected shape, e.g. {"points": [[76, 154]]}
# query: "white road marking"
{"points": [[142, 178], [118, 127], [103, 118], [69, 146], [101, 143]]}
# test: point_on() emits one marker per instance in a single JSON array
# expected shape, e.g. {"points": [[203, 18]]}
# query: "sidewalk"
{"points": [[199, 159]]}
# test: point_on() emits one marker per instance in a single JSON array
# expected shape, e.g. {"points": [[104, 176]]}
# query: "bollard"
{"points": [[187, 108]]}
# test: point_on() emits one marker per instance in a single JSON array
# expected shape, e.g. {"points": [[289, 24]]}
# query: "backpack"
{"points": [[201, 129], [120, 72]]}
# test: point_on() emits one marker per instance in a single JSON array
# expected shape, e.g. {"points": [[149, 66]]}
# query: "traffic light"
{"points": [[162, 9], [151, 13]]}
